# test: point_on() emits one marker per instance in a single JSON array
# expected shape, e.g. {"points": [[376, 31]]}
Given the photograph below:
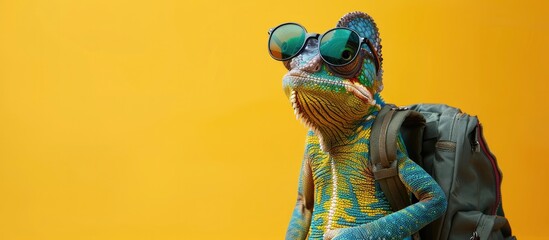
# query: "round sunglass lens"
{"points": [[339, 46], [286, 41]]}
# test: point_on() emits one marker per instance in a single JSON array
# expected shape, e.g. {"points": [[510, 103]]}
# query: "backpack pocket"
{"points": [[476, 225]]}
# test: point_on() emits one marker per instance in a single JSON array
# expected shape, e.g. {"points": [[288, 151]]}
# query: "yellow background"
{"points": [[166, 119]]}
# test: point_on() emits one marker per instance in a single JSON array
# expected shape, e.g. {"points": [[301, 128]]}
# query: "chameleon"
{"points": [[338, 197]]}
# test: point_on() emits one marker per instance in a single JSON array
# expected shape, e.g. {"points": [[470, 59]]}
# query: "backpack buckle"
{"points": [[400, 108]]}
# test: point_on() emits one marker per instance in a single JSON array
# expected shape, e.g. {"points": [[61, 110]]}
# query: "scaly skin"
{"points": [[338, 197]]}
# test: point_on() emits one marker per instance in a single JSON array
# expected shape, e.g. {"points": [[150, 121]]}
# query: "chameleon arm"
{"points": [[401, 224], [301, 216]]}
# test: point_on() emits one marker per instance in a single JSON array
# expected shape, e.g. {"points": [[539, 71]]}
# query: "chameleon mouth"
{"points": [[360, 92], [299, 79]]}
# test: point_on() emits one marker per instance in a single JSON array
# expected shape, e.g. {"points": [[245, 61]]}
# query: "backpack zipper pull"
{"points": [[475, 144], [475, 236]]}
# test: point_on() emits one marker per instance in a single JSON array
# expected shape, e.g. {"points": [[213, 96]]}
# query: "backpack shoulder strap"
{"points": [[383, 149]]}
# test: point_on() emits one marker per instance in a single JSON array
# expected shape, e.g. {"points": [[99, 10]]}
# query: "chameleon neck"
{"points": [[338, 125]]}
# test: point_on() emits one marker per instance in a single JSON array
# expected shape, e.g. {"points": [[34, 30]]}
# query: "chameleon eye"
{"points": [[339, 46], [348, 70], [346, 54]]}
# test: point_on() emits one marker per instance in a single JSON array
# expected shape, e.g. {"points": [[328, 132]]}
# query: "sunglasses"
{"points": [[337, 47]]}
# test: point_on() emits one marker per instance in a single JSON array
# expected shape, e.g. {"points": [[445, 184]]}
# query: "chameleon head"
{"points": [[333, 100]]}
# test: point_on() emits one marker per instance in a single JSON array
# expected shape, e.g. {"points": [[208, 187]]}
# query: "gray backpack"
{"points": [[450, 146]]}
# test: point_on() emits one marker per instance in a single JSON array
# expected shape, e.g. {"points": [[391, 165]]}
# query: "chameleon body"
{"points": [[338, 197]]}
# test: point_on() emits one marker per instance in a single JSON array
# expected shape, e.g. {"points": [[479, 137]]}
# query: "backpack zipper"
{"points": [[453, 126], [494, 167]]}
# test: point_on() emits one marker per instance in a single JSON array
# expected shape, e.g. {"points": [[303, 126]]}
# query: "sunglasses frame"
{"points": [[308, 35]]}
